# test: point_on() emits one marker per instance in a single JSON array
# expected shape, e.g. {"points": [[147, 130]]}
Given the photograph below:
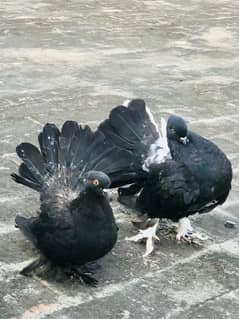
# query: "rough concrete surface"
{"points": [[76, 60]]}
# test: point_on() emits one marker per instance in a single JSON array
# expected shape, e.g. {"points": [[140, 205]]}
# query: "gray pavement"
{"points": [[76, 60]]}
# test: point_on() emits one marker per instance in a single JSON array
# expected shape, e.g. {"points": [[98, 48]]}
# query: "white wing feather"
{"points": [[159, 151]]}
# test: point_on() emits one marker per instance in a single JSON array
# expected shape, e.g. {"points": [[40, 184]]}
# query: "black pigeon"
{"points": [[185, 173], [75, 224]]}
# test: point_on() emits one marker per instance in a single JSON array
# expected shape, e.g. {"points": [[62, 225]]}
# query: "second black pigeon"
{"points": [[185, 173]]}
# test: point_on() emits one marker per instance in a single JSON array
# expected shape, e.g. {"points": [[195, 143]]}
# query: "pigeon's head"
{"points": [[95, 181], [177, 129]]}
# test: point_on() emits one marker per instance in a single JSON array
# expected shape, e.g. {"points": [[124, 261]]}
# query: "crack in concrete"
{"points": [[179, 309]]}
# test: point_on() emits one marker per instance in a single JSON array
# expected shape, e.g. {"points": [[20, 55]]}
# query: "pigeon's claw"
{"points": [[150, 235], [185, 230], [184, 237]]}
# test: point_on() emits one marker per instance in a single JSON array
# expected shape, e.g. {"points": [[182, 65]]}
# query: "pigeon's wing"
{"points": [[172, 191], [179, 183]]}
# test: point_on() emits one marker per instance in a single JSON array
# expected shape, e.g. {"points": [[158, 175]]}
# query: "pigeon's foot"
{"points": [[84, 278], [148, 234], [91, 267], [185, 232]]}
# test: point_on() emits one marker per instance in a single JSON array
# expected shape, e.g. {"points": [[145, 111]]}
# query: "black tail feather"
{"points": [[26, 173], [38, 165], [74, 142], [123, 121], [69, 143], [32, 170], [86, 142], [141, 116], [32, 159], [131, 128], [49, 144], [21, 180], [111, 133]]}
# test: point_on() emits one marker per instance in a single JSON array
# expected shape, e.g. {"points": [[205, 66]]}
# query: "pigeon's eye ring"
{"points": [[95, 182], [172, 130]]}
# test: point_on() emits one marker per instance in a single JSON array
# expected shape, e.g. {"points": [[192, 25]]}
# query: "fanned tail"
{"points": [[68, 154]]}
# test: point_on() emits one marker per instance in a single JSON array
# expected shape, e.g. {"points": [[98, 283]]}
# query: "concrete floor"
{"points": [[76, 60]]}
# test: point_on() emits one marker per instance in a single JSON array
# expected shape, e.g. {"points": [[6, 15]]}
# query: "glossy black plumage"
{"points": [[75, 224], [170, 191], [186, 173], [209, 166]]}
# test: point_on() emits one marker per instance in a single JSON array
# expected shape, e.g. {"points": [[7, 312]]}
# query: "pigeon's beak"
{"points": [[184, 140]]}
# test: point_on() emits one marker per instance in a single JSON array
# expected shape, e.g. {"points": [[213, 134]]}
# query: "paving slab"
{"points": [[76, 60]]}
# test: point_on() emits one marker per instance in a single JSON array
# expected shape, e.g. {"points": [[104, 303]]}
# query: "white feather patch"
{"points": [[152, 119], [126, 103], [159, 151]]}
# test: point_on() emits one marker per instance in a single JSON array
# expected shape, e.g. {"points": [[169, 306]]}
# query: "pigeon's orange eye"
{"points": [[95, 182]]}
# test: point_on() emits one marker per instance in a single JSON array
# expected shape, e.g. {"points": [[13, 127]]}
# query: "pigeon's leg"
{"points": [[149, 234], [33, 266], [185, 231], [83, 277]]}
